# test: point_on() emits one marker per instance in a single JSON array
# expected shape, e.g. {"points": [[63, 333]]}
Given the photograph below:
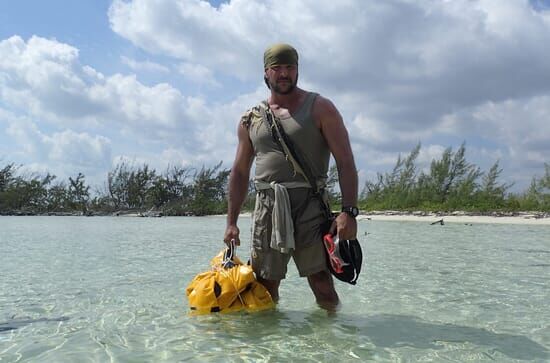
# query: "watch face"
{"points": [[352, 211]]}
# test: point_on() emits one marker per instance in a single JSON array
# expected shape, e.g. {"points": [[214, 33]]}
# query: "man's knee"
{"points": [[272, 286], [321, 282], [322, 285]]}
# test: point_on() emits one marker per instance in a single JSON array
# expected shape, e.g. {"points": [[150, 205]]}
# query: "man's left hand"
{"points": [[345, 226]]}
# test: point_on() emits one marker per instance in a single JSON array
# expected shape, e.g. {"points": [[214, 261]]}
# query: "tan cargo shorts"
{"points": [[309, 254]]}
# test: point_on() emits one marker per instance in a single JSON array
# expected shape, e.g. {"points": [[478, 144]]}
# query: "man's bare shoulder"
{"points": [[324, 109]]}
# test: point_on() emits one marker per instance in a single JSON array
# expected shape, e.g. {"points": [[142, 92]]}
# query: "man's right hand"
{"points": [[232, 233]]}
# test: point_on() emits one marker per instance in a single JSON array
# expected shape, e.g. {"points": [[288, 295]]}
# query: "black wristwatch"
{"points": [[352, 211]]}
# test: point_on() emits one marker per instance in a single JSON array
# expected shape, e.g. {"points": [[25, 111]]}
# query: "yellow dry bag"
{"points": [[229, 286]]}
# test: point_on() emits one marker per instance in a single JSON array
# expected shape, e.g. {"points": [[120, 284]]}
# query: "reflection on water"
{"points": [[112, 289], [318, 338], [17, 323]]}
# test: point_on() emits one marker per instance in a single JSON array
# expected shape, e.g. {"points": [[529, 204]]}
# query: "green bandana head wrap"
{"points": [[280, 54]]}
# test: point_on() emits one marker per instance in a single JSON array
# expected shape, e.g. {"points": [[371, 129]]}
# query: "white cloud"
{"points": [[27, 136], [404, 63], [438, 72], [198, 73], [44, 79], [518, 131], [62, 153], [193, 30], [134, 104], [429, 153], [76, 101], [523, 122], [78, 149], [146, 66], [175, 157]]}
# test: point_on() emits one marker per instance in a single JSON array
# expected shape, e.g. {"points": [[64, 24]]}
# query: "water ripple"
{"points": [[102, 289]]}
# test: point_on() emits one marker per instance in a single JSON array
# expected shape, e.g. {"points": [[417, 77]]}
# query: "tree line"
{"points": [[129, 187], [451, 183]]}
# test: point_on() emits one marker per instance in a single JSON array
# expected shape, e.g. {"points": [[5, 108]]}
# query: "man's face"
{"points": [[282, 78]]}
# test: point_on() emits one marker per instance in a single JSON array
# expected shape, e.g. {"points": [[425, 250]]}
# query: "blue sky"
{"points": [[84, 84]]}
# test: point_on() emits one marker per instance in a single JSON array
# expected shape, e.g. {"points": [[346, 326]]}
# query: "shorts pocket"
{"points": [[306, 233], [261, 229], [259, 240]]}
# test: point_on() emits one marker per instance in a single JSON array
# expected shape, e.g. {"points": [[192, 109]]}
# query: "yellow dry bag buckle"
{"points": [[229, 286]]}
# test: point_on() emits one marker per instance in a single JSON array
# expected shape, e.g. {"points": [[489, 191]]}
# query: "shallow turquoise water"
{"points": [[75, 289]]}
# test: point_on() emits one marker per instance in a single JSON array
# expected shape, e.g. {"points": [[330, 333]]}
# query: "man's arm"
{"points": [[333, 129], [238, 183]]}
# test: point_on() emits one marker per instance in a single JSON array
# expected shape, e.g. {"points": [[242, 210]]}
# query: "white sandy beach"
{"points": [[524, 218], [530, 219]]}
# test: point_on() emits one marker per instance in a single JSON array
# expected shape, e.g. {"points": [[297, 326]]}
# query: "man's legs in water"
{"points": [[272, 286], [322, 285]]}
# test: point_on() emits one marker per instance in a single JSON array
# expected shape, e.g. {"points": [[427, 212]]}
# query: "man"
{"points": [[315, 126]]}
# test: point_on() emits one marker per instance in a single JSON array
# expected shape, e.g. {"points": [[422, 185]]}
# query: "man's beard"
{"points": [[277, 89]]}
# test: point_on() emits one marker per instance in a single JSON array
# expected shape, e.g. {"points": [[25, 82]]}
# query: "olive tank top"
{"points": [[271, 164]]}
